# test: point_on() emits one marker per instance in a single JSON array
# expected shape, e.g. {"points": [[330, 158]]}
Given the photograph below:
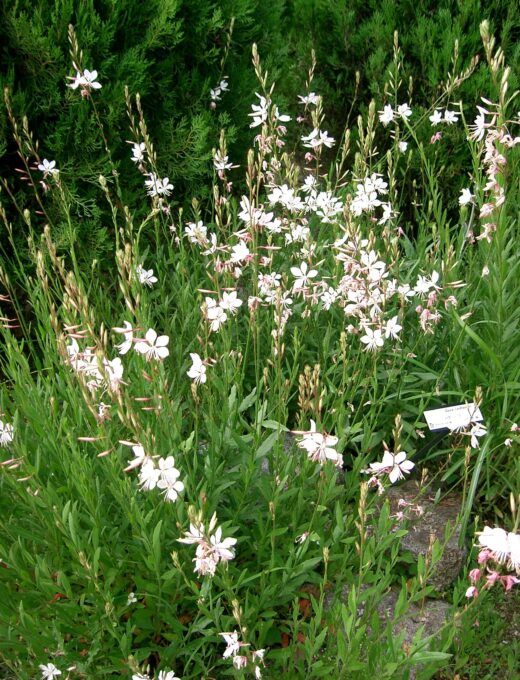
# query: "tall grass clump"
{"points": [[197, 440]]}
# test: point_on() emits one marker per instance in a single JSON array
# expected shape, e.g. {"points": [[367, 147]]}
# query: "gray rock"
{"points": [[435, 519]]}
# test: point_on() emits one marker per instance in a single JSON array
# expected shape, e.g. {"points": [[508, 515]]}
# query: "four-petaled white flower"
{"points": [[86, 80], [318, 138], [240, 252], [395, 465], [48, 168], [311, 98], [450, 117], [215, 314], [168, 479], [477, 430], [436, 117], [158, 187], [392, 328], [372, 339], [319, 446], [145, 276], [233, 645], [230, 302], [260, 111], [404, 111], [386, 115], [303, 275], [138, 152], [6, 433], [153, 346], [49, 671], [197, 371]]}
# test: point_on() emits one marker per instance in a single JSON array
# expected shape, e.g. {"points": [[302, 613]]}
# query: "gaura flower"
{"points": [[153, 346], [145, 276], [6, 433], [48, 168], [197, 371], [128, 332], [49, 671], [319, 446], [394, 465]]}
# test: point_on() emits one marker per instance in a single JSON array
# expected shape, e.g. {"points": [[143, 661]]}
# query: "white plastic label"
{"points": [[453, 417]]}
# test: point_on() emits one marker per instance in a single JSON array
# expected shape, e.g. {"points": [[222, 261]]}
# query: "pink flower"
{"points": [[472, 592], [474, 575], [509, 581]]}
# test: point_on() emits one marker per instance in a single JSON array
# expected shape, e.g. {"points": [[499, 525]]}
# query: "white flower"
{"points": [[168, 479], [48, 168], [303, 275], [372, 339], [230, 302], [194, 536], [466, 197], [128, 332], [386, 115], [140, 457], [49, 671], [157, 186], [436, 117], [145, 276], [319, 446], [167, 675], [402, 146], [239, 661], [477, 430], [392, 328], [498, 541], [197, 232], [6, 433], [221, 163], [153, 347], [222, 548], [233, 645], [479, 127], [450, 117], [197, 371], [138, 152], [87, 81], [240, 252], [404, 111], [260, 111], [311, 98], [149, 475], [215, 314], [132, 599], [394, 465], [114, 371], [318, 138]]}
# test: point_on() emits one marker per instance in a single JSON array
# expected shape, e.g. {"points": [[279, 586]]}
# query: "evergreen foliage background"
{"points": [[173, 51]]}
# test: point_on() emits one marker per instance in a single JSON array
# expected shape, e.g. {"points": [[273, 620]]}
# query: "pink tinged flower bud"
{"points": [[484, 556], [492, 577], [471, 592], [474, 575]]}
